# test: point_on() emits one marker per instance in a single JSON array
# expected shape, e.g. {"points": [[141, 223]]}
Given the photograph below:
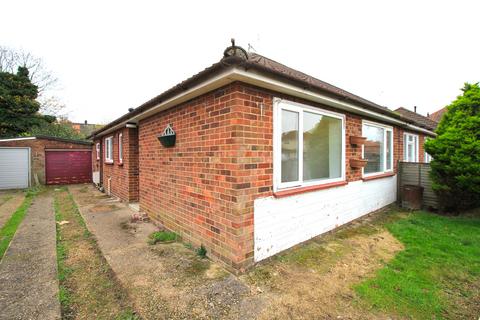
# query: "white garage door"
{"points": [[14, 168]]}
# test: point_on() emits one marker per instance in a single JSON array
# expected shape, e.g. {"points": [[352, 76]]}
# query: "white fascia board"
{"points": [[206, 86], [18, 139], [411, 126], [262, 81]]}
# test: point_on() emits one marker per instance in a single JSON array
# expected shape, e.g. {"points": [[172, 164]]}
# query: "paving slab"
{"points": [[28, 271]]}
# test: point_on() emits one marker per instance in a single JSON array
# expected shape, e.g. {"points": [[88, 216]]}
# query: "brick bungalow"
{"points": [[240, 179]]}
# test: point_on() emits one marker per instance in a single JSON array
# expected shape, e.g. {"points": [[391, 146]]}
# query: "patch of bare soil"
{"points": [[185, 286], [88, 194], [320, 285]]}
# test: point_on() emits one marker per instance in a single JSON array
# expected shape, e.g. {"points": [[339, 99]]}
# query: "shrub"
{"points": [[456, 153]]}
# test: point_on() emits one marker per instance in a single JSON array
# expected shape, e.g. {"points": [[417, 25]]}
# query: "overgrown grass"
{"points": [[438, 273], [8, 230], [88, 287], [162, 236]]}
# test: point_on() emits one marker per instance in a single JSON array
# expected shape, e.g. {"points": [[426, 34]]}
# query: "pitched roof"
{"points": [[417, 118], [235, 56], [437, 115], [281, 70]]}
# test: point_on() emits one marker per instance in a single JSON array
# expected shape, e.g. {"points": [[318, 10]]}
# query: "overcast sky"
{"points": [[113, 55]]}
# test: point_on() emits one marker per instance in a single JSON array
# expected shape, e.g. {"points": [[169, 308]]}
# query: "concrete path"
{"points": [[8, 207], [166, 281], [28, 271]]}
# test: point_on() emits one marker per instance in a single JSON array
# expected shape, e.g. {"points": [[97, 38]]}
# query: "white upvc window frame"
{"points": [[427, 158], [278, 106], [120, 148], [386, 129], [108, 149], [406, 143], [97, 150]]}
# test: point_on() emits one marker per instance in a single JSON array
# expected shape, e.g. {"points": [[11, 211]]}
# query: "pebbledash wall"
{"points": [[215, 187]]}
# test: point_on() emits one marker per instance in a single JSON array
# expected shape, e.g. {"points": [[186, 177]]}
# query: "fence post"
{"points": [[419, 174], [399, 182]]}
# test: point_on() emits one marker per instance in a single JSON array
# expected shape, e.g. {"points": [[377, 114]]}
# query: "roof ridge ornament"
{"points": [[235, 51]]}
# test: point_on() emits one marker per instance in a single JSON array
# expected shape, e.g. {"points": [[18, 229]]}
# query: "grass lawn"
{"points": [[8, 230], [436, 276], [88, 287]]}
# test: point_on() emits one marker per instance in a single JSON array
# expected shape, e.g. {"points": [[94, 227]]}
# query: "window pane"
{"points": [[322, 147], [289, 146], [373, 148], [389, 150]]}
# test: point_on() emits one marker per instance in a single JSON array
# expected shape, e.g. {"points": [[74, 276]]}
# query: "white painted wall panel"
{"points": [[96, 177], [14, 168], [280, 223]]}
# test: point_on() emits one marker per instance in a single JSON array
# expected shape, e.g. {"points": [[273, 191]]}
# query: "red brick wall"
{"points": [[123, 175], [398, 145], [204, 188], [37, 151], [353, 127], [196, 187]]}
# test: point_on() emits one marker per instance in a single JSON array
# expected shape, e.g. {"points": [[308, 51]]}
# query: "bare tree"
{"points": [[11, 59], [40, 75]]}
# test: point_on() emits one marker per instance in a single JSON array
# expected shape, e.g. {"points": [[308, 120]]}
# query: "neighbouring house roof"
{"points": [[88, 143], [437, 115], [418, 118], [85, 128], [236, 57]]}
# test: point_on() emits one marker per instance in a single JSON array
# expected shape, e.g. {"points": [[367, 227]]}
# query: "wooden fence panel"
{"points": [[416, 173]]}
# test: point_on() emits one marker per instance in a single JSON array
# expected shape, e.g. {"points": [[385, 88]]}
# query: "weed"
{"points": [[127, 315], [162, 236], [202, 252]]}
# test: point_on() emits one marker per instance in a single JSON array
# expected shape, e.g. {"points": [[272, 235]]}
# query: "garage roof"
{"points": [[47, 138]]}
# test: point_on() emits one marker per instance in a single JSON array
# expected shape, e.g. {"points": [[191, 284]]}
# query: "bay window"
{"points": [[410, 147], [377, 149], [308, 145], [109, 150]]}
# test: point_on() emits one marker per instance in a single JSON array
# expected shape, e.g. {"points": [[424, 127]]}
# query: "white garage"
{"points": [[14, 168]]}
